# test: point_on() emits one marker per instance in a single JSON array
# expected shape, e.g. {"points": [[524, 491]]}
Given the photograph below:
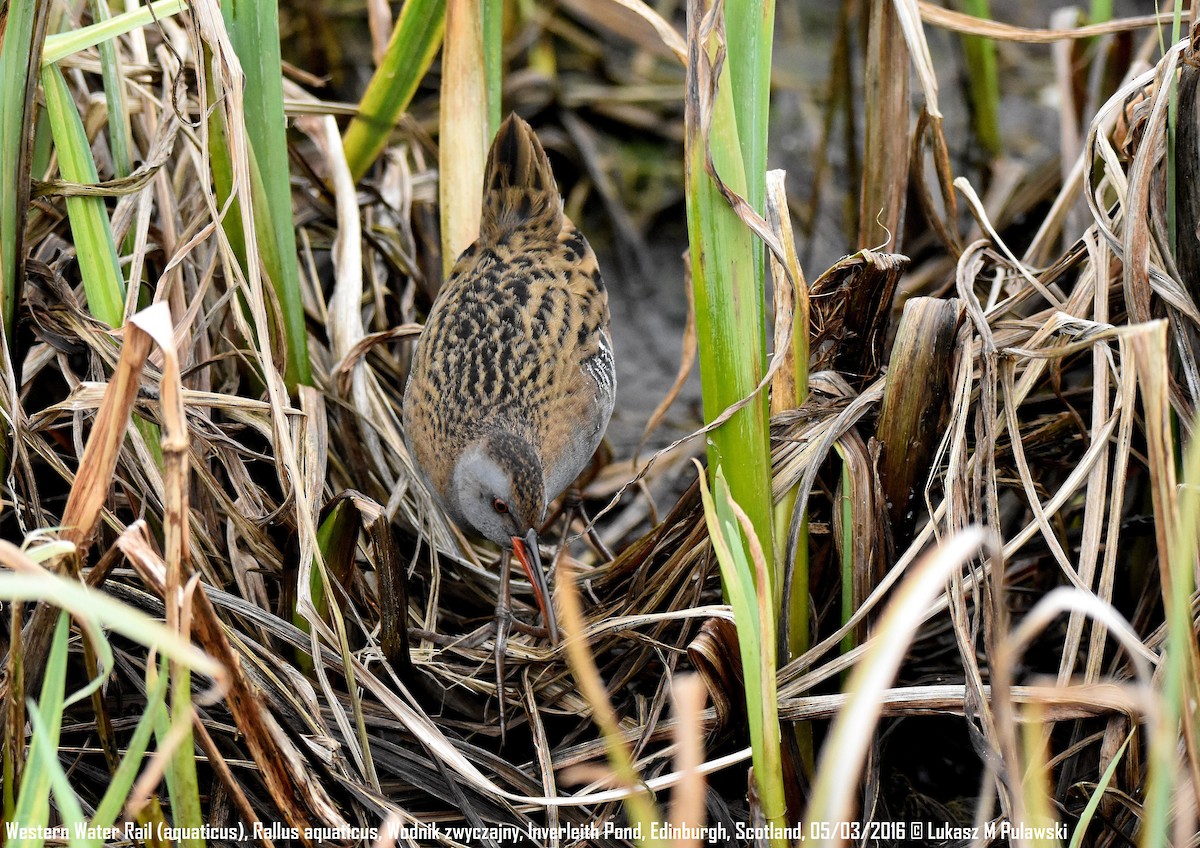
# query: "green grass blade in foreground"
{"points": [[729, 298], [185, 787], [90, 227], [747, 583], [1093, 804], [254, 31], [33, 803], [113, 802], [19, 37], [66, 801], [94, 610], [415, 41], [161, 719], [63, 44], [1101, 11]]}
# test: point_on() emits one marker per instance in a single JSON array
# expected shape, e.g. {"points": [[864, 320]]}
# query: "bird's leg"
{"points": [[504, 618]]}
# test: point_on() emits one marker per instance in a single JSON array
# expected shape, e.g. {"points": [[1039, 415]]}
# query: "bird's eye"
{"points": [[499, 505]]}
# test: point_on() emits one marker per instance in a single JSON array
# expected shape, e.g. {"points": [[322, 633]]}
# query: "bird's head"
{"points": [[498, 488], [499, 492]]}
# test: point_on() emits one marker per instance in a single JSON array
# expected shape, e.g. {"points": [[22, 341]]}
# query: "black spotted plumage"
{"points": [[515, 357]]}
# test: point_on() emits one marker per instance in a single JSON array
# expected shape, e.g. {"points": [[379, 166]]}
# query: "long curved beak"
{"points": [[526, 552]]}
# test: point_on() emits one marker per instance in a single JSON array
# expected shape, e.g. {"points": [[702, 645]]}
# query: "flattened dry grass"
{"points": [[1015, 513]]}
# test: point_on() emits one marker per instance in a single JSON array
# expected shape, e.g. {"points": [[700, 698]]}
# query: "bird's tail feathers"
{"points": [[518, 186]]}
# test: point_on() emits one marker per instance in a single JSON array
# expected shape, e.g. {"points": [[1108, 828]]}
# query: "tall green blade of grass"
{"points": [[984, 81], [113, 802], [747, 582], [415, 41], [1093, 804], [729, 296], [749, 30], [91, 230], [120, 134], [493, 60], [20, 46], [120, 139], [63, 44], [254, 32], [33, 802], [185, 795], [221, 165], [70, 811], [161, 719], [749, 38]]}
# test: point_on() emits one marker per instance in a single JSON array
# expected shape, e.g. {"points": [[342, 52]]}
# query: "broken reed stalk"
{"points": [[885, 168], [915, 405]]}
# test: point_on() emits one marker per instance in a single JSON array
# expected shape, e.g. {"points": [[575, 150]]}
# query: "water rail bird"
{"points": [[512, 381]]}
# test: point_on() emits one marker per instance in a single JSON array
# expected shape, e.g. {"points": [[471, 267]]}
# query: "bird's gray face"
{"points": [[498, 489], [499, 492]]}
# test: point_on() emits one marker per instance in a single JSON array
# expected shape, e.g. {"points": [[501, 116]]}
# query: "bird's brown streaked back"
{"points": [[516, 346]]}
